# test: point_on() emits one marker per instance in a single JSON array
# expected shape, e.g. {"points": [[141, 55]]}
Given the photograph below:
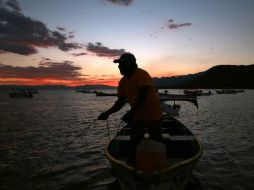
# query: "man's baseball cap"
{"points": [[126, 57]]}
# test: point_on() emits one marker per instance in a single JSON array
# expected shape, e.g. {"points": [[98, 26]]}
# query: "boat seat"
{"points": [[123, 138], [178, 146], [127, 137], [182, 138], [164, 135]]}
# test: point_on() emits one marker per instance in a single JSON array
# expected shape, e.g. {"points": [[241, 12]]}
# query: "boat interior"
{"points": [[180, 142]]}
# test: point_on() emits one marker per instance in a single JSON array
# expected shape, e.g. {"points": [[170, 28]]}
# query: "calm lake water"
{"points": [[53, 141]]}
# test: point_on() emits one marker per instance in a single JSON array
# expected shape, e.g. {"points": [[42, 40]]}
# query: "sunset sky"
{"points": [[64, 42]]}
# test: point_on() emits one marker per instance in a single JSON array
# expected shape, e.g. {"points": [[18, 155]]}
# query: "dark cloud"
{"points": [[102, 51], [45, 59], [172, 25], [120, 2], [78, 54], [22, 35], [50, 70], [60, 28], [13, 5], [71, 36]]}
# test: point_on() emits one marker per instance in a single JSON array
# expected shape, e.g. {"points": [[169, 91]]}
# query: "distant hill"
{"points": [[221, 76], [166, 82]]}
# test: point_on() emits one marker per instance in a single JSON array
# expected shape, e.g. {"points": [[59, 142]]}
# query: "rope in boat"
{"points": [[79, 136], [229, 157], [69, 143], [108, 131], [117, 128], [73, 140], [63, 150]]}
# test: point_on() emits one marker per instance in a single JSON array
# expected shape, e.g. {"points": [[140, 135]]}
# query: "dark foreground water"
{"points": [[52, 141]]}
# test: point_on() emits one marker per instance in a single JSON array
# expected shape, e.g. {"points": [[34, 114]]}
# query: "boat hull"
{"points": [[183, 151], [175, 180]]}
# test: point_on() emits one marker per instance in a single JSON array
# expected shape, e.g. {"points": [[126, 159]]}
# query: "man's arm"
{"points": [[116, 107]]}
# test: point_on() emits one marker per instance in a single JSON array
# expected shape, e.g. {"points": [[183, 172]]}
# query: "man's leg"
{"points": [[155, 130], [137, 134]]}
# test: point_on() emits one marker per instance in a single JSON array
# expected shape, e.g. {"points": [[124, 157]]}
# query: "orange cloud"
{"points": [[51, 73], [48, 81]]}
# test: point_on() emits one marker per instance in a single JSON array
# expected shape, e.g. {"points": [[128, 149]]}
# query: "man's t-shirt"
{"points": [[129, 87]]}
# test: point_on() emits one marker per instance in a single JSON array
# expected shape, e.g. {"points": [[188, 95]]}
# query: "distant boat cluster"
{"points": [[23, 93], [97, 93], [198, 92]]}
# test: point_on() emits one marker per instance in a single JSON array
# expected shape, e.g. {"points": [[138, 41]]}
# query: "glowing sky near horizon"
{"points": [[74, 42]]}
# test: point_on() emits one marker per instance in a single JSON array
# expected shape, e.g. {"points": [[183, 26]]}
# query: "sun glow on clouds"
{"points": [[32, 37], [167, 38], [168, 66], [46, 81]]}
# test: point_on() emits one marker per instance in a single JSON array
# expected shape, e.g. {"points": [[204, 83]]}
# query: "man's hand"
{"points": [[127, 117], [103, 116]]}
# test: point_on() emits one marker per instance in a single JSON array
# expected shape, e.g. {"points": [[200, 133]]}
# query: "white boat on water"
{"points": [[178, 97], [197, 92], [229, 91]]}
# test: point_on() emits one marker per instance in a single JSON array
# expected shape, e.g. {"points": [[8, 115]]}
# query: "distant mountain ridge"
{"points": [[217, 77], [174, 81]]}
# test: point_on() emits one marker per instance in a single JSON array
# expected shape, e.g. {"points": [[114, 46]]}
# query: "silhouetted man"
{"points": [[136, 87]]}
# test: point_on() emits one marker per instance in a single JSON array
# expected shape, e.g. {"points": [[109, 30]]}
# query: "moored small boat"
{"points": [[21, 94], [183, 153], [105, 94], [193, 92], [197, 92], [209, 93], [226, 91], [239, 90], [84, 91], [178, 97]]}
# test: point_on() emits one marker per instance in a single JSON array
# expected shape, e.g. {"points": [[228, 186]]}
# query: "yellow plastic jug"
{"points": [[151, 155]]}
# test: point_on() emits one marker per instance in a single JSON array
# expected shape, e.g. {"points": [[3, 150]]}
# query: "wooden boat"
{"points": [[183, 153], [226, 91], [193, 92], [197, 92], [178, 97], [239, 90], [209, 93], [84, 91], [21, 94], [105, 94]]}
